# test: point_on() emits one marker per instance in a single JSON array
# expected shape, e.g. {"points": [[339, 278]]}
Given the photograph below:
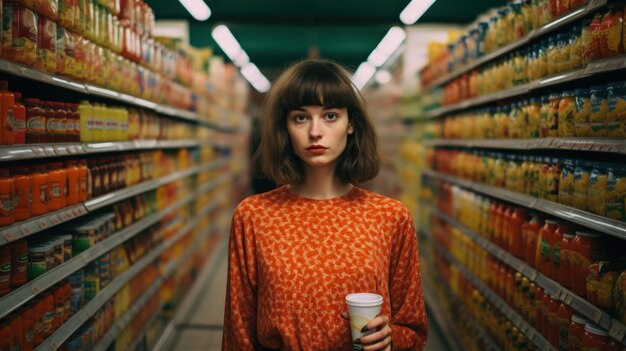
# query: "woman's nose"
{"points": [[315, 132]]}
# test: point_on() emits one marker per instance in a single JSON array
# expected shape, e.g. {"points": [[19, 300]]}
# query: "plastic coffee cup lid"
{"points": [[364, 299]]}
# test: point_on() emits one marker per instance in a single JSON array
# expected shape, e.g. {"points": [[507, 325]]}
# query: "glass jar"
{"points": [[583, 251]]}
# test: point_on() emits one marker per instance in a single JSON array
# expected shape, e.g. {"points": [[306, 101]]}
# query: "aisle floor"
{"points": [[202, 330]]}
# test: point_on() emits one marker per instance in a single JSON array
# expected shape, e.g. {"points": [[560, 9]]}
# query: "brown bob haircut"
{"points": [[315, 83]]}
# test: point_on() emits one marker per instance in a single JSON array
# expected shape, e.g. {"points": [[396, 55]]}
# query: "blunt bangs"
{"points": [[318, 85]]}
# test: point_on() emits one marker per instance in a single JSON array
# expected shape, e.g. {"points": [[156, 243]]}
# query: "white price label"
{"points": [[25, 229], [42, 224], [49, 151], [7, 235], [60, 150], [38, 151], [56, 218]]}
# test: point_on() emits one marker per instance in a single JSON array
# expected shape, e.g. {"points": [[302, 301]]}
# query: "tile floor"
{"points": [[202, 330]]}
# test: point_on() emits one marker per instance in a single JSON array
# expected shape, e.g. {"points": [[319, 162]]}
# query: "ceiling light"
{"points": [[383, 77], [390, 42], [414, 10], [363, 74], [197, 8], [241, 58], [227, 42], [252, 73]]}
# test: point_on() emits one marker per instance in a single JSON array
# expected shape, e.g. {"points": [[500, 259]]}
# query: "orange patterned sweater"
{"points": [[293, 260]]}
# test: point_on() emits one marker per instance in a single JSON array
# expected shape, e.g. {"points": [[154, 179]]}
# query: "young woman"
{"points": [[295, 252]]}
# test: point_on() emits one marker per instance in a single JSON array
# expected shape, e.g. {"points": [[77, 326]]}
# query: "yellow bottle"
{"points": [[86, 112]]}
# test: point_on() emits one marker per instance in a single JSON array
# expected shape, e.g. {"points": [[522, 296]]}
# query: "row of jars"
{"points": [[29, 191], [149, 71], [599, 111], [551, 317], [591, 39], [593, 186], [33, 120]]}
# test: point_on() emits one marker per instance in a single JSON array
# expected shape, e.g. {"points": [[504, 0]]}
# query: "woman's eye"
{"points": [[300, 118], [331, 116]]}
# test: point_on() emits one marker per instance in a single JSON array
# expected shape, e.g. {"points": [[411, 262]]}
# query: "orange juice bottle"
{"points": [[7, 117], [19, 111], [23, 193], [41, 191], [7, 191], [73, 186]]}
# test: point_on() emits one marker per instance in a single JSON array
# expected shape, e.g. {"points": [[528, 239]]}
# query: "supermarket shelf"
{"points": [[528, 330], [82, 316], [596, 67], [616, 329], [76, 321], [31, 289], [442, 320], [433, 306], [34, 225], [38, 151], [584, 218], [123, 321], [142, 334], [606, 145], [561, 22], [33, 74], [188, 302]]}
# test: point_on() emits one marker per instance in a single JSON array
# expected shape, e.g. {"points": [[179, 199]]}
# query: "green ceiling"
{"points": [[275, 33]]}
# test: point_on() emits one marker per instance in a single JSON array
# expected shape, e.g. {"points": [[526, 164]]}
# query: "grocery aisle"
{"points": [[202, 329]]}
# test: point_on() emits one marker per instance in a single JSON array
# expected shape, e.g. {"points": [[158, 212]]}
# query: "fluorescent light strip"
{"points": [[414, 10], [252, 73], [390, 42], [227, 42], [197, 8], [363, 74]]}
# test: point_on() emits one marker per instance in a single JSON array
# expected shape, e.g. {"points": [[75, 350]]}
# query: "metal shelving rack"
{"points": [[25, 293], [603, 145], [37, 224], [558, 23], [22, 71], [19, 153], [574, 215], [616, 329], [528, 330]]}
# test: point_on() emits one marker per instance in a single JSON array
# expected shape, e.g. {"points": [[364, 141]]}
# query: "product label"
{"points": [[36, 125], [544, 249], [56, 126], [5, 268], [55, 190], [20, 125], [7, 204], [556, 254], [43, 193], [10, 123], [29, 335]]}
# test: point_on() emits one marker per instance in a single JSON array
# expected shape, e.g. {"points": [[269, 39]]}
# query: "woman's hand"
{"points": [[380, 339]]}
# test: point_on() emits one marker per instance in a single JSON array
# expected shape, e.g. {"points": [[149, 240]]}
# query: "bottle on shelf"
{"points": [[19, 111], [7, 116]]}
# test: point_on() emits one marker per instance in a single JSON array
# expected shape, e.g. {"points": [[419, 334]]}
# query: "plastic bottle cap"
{"points": [[552, 221]]}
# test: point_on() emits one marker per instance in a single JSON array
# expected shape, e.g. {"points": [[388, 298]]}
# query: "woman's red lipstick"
{"points": [[316, 149]]}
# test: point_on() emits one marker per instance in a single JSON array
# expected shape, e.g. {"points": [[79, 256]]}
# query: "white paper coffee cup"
{"points": [[362, 308]]}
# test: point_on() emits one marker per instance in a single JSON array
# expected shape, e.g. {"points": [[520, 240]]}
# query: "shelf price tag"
{"points": [[617, 332], [49, 151], [38, 151], [25, 230], [7, 235], [60, 150], [57, 218], [42, 224]]}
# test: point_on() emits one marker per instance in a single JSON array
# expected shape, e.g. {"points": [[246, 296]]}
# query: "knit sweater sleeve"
{"points": [[408, 315], [240, 313]]}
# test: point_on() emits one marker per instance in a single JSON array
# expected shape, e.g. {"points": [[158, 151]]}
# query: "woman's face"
{"points": [[318, 134]]}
